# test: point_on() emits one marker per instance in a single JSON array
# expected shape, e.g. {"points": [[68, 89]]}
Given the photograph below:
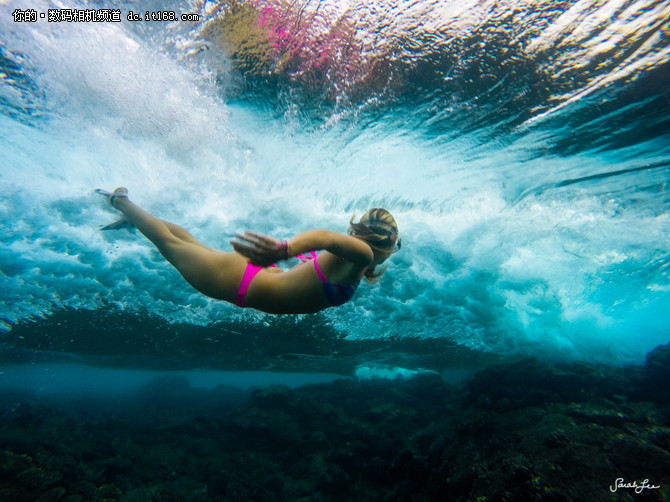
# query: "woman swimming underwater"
{"points": [[248, 277]]}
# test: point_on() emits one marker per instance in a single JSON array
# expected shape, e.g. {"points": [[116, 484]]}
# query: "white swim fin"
{"points": [[122, 222]]}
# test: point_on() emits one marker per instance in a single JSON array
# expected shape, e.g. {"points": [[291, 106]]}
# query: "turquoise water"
{"points": [[524, 151]]}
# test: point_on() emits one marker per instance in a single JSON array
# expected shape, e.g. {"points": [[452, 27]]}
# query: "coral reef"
{"points": [[522, 431]]}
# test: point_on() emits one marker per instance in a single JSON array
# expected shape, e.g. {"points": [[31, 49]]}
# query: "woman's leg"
{"points": [[210, 271], [184, 235]]}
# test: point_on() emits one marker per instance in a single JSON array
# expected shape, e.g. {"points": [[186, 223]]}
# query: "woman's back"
{"points": [[301, 289]]}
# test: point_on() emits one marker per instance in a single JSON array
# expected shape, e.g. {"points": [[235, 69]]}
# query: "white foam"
{"points": [[388, 373]]}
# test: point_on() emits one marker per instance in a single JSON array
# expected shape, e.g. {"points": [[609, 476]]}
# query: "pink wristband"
{"points": [[283, 245]]}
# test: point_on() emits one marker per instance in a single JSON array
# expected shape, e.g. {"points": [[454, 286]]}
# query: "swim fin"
{"points": [[122, 222]]}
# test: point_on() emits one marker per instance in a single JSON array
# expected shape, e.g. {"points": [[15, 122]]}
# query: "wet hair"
{"points": [[379, 230]]}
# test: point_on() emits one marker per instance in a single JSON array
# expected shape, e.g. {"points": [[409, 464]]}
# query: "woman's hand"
{"points": [[261, 249]]}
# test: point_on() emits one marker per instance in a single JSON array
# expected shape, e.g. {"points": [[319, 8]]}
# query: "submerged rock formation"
{"points": [[521, 431]]}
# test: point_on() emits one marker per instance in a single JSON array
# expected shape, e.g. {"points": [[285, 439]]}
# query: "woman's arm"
{"points": [[264, 250], [344, 246]]}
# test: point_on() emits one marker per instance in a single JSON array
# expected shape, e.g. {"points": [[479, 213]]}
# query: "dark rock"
{"points": [[556, 439], [529, 382], [52, 495], [516, 432], [36, 478], [109, 492], [12, 463], [658, 374], [658, 362], [277, 396]]}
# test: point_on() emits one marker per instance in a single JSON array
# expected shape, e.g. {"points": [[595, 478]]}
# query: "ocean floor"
{"points": [[523, 431]]}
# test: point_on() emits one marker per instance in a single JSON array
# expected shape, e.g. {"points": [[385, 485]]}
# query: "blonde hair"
{"points": [[377, 228]]}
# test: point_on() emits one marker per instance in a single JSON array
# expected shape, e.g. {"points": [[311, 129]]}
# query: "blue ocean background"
{"points": [[524, 150]]}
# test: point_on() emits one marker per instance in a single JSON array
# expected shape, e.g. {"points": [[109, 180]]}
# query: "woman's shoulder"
{"points": [[339, 270]]}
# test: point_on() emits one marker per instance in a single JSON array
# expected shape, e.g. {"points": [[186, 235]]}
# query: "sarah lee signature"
{"points": [[638, 487]]}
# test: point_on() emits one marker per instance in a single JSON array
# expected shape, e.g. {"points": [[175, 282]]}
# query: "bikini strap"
{"points": [[318, 271], [249, 274], [303, 258]]}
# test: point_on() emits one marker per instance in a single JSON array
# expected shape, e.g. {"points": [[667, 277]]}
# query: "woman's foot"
{"points": [[120, 192]]}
